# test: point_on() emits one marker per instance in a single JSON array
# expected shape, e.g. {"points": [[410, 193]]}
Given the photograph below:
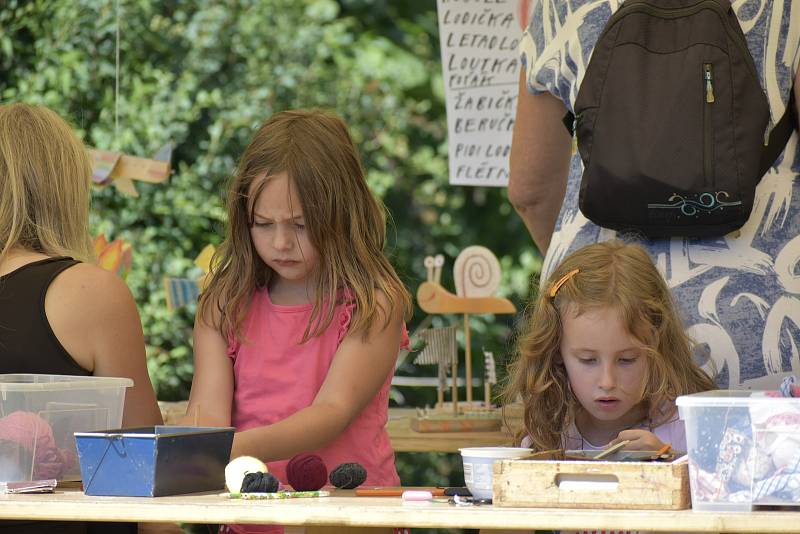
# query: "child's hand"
{"points": [[640, 440]]}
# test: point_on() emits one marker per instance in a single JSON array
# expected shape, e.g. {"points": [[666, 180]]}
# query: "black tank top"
{"points": [[27, 343]]}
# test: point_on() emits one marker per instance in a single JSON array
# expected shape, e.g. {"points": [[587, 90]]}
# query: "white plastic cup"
{"points": [[478, 467]]}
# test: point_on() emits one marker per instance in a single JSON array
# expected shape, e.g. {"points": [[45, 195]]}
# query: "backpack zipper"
{"points": [[708, 139], [738, 38]]}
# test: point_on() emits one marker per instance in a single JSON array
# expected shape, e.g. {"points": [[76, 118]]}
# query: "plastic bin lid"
{"points": [[727, 398], [34, 382]]}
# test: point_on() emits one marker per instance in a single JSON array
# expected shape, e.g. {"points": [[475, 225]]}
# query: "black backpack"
{"points": [[671, 121]]}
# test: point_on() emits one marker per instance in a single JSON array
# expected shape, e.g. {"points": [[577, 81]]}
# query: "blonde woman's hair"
{"points": [[346, 225], [45, 180], [609, 274]]}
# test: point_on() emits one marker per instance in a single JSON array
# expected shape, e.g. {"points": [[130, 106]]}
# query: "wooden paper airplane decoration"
{"points": [[121, 169]]}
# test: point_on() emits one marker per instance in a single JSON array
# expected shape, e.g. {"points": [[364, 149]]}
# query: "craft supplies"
{"points": [[40, 413], [30, 486], [154, 461], [478, 462], [612, 449], [744, 448], [348, 475], [237, 468], [417, 495], [306, 472], [617, 455], [260, 482], [396, 491], [278, 495]]}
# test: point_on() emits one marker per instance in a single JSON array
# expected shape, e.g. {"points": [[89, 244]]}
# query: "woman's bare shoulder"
{"points": [[91, 294]]}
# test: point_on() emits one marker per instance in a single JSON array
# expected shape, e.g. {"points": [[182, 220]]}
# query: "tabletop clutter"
{"points": [[743, 452]]}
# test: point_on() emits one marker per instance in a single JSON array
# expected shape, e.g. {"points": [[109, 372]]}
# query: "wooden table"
{"points": [[404, 439], [365, 512]]}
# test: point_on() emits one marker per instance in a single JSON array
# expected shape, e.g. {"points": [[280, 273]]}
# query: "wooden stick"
{"points": [[468, 357], [612, 449], [454, 386]]}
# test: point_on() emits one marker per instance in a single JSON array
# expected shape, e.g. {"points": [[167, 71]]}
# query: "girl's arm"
{"points": [[211, 397], [94, 316], [359, 370]]}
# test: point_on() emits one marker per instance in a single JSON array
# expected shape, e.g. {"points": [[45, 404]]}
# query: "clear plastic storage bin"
{"points": [[39, 415], [744, 449]]}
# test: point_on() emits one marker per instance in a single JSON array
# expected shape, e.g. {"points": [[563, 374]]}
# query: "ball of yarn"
{"points": [[260, 483], [348, 476], [306, 472], [236, 470]]}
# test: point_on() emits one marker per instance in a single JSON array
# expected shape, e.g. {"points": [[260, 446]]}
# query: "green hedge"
{"points": [[203, 75]]}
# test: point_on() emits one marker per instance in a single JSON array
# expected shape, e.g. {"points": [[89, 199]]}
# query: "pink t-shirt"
{"points": [[276, 376]]}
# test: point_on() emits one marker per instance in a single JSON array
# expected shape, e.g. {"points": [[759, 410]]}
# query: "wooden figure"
{"points": [[440, 349], [121, 169], [477, 275]]}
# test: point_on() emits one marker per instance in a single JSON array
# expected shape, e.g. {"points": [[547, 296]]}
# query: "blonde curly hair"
{"points": [[609, 274]]}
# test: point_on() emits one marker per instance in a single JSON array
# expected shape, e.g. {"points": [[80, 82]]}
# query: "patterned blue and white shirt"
{"points": [[739, 296]]}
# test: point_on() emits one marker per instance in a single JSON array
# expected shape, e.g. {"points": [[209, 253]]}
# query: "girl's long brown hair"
{"points": [[45, 181], [345, 222], [611, 274]]}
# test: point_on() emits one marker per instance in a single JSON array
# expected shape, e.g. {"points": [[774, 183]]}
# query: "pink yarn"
{"points": [[34, 434]]}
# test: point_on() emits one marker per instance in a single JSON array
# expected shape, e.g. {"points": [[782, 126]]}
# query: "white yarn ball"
{"points": [[236, 470]]}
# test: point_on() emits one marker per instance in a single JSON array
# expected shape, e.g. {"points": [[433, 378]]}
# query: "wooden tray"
{"points": [[591, 484]]}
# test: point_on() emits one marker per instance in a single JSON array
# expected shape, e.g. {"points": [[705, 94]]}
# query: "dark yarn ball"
{"points": [[259, 483], [306, 472], [348, 476]]}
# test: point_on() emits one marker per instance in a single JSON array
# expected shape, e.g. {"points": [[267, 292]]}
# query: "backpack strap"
{"points": [[779, 135]]}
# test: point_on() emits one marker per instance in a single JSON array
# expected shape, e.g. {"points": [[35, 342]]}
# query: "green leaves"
{"points": [[203, 75]]}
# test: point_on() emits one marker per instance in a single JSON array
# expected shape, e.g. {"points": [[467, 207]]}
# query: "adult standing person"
{"points": [[59, 313], [739, 294]]}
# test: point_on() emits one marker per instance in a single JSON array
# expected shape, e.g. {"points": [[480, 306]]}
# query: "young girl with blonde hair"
{"points": [[299, 329], [604, 356]]}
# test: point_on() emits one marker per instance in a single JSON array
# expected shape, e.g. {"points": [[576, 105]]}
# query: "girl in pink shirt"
{"points": [[299, 328]]}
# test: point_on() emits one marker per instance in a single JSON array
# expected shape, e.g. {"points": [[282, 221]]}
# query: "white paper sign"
{"points": [[481, 74]]}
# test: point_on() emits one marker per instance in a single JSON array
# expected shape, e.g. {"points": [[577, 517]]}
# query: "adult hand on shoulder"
{"points": [[640, 440]]}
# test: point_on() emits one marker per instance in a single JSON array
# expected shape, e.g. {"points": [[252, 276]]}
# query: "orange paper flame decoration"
{"points": [[115, 256]]}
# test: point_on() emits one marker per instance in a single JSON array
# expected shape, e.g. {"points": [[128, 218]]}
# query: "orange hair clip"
{"points": [[563, 280]]}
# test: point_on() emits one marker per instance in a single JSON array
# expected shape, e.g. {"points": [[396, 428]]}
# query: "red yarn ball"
{"points": [[306, 472]]}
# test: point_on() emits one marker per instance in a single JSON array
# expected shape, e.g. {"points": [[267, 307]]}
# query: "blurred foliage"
{"points": [[203, 75]]}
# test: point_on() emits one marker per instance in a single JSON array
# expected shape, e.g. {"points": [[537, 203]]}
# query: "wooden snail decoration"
{"points": [[477, 276]]}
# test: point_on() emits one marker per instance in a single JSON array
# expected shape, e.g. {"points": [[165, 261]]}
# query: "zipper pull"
{"points": [[575, 134], [709, 77]]}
